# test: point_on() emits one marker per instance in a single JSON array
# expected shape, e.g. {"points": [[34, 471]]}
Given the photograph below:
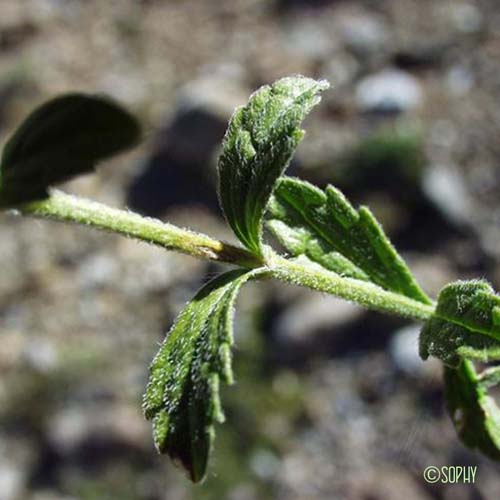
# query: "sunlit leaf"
{"points": [[324, 226], [259, 143], [182, 396]]}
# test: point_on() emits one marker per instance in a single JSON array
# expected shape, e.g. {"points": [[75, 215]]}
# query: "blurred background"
{"points": [[331, 402]]}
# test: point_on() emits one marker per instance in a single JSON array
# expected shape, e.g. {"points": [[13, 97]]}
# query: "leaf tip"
{"points": [[258, 146]]}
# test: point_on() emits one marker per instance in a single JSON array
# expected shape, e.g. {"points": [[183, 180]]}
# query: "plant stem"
{"points": [[67, 208], [63, 207], [366, 294]]}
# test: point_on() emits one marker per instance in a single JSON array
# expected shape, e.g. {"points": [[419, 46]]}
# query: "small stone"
{"points": [[389, 91], [364, 34], [446, 188], [11, 481], [97, 270], [185, 149], [265, 464], [16, 459], [341, 69], [467, 18], [460, 80], [71, 428], [404, 351], [306, 37], [41, 355], [313, 314]]}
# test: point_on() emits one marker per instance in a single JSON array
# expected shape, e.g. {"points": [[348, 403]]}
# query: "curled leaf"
{"points": [[474, 413], [182, 396], [61, 139], [259, 144], [464, 324]]}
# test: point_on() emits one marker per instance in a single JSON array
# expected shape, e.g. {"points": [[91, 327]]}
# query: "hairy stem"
{"points": [[63, 207], [363, 293], [67, 208]]}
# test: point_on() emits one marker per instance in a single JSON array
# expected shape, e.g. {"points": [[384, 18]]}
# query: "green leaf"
{"points": [[182, 396], [474, 413], [466, 323], [324, 226], [259, 144], [61, 139]]}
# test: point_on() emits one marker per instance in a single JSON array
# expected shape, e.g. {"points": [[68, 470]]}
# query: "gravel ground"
{"points": [[331, 402]]}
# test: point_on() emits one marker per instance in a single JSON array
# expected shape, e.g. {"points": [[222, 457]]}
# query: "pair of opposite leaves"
{"points": [[69, 135]]}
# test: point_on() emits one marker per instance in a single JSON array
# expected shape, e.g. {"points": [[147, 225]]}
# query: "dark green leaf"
{"points": [[325, 227], [474, 413], [258, 146], [182, 397], [465, 324], [61, 139]]}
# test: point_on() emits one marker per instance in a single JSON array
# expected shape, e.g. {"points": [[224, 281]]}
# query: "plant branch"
{"points": [[63, 207], [363, 293]]}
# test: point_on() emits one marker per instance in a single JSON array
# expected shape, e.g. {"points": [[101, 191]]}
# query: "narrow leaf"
{"points": [[465, 324], [182, 396], [324, 226], [259, 144], [474, 413], [61, 139]]}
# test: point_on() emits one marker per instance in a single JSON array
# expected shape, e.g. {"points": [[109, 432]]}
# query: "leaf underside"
{"points": [[464, 327], [474, 413], [61, 139], [466, 324], [182, 396], [258, 146], [324, 226]]}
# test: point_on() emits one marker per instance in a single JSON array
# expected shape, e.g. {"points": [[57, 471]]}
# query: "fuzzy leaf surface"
{"points": [[474, 413], [61, 139], [466, 323], [326, 228], [182, 396], [259, 143]]}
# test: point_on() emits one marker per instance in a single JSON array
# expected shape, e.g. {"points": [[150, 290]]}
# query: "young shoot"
{"points": [[328, 245]]}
